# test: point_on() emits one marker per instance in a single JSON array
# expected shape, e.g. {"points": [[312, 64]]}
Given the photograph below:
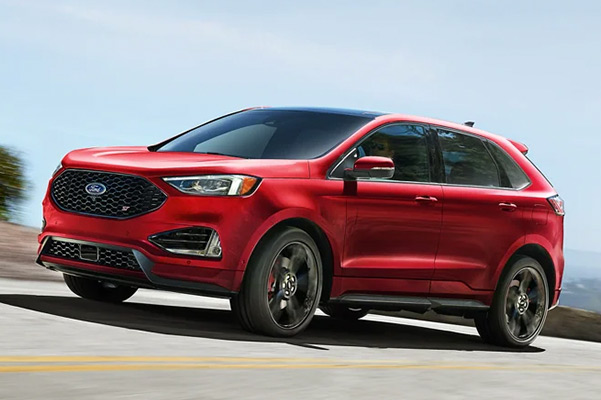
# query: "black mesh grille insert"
{"points": [[125, 195], [108, 257]]}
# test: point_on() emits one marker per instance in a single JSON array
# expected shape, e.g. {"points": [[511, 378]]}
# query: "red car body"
{"points": [[411, 239]]}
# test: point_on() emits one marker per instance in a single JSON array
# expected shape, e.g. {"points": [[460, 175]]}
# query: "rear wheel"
{"points": [[282, 285], [520, 306], [92, 289], [340, 311]]}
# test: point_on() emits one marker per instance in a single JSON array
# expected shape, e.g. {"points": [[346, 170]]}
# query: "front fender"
{"points": [[335, 241]]}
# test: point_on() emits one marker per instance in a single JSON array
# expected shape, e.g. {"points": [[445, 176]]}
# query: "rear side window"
{"points": [[512, 174], [467, 161]]}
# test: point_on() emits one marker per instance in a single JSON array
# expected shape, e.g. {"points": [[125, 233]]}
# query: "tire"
{"points": [[240, 313], [519, 308], [92, 289], [282, 285], [482, 328], [340, 311]]}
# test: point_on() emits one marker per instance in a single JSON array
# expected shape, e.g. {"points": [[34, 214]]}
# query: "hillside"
{"points": [[18, 247]]}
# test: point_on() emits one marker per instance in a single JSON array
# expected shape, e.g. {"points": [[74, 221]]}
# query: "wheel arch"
{"points": [[540, 254], [318, 234]]}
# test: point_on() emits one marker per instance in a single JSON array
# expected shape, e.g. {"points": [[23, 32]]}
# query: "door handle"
{"points": [[430, 199], [509, 207]]}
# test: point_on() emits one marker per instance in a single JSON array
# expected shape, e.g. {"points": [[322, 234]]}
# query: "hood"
{"points": [[141, 161]]}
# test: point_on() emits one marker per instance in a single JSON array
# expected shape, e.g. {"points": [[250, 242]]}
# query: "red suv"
{"points": [[284, 210]]}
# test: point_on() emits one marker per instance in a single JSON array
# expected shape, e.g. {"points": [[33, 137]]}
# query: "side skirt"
{"points": [[458, 307]]}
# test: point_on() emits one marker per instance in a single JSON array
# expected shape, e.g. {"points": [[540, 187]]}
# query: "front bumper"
{"points": [[235, 219], [141, 276]]}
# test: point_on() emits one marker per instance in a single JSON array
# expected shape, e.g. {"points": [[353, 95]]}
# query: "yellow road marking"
{"points": [[50, 359], [125, 363]]}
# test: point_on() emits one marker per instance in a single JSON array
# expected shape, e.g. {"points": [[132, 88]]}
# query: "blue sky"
{"points": [[81, 74]]}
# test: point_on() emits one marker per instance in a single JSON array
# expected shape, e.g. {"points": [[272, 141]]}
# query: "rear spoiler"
{"points": [[520, 146]]}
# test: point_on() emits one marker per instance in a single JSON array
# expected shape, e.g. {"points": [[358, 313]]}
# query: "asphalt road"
{"points": [[165, 346]]}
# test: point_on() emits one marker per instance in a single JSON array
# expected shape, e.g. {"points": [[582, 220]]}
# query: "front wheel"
{"points": [[520, 306], [92, 289], [282, 285]]}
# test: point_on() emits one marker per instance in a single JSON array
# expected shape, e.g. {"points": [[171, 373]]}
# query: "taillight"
{"points": [[557, 204]]}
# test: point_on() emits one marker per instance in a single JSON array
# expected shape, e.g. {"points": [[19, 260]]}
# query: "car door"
{"points": [[393, 225], [483, 216]]}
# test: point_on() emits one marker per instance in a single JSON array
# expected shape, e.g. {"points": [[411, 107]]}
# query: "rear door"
{"points": [[483, 215]]}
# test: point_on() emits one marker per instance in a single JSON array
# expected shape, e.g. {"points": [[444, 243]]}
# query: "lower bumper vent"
{"points": [[92, 253]]}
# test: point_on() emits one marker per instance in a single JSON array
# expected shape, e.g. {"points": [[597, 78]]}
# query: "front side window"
{"points": [[467, 161], [406, 145], [270, 134]]}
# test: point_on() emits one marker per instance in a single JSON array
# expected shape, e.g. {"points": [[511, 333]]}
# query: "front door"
{"points": [[393, 225]]}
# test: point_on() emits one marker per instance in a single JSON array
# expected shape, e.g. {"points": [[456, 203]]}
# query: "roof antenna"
{"points": [[469, 123]]}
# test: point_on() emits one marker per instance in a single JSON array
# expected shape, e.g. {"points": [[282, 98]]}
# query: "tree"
{"points": [[12, 182]]}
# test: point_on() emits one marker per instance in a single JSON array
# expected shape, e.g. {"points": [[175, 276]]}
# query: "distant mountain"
{"points": [[582, 265], [582, 293], [582, 280]]}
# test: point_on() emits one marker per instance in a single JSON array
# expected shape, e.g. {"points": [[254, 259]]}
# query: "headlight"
{"points": [[58, 168], [215, 185]]}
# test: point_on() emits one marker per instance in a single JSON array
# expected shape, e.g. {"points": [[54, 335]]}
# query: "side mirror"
{"points": [[371, 167]]}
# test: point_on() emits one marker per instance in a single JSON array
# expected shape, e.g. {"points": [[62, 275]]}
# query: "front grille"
{"points": [[125, 195], [107, 257]]}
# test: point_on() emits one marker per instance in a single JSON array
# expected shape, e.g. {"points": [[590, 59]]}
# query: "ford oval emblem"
{"points": [[95, 189]]}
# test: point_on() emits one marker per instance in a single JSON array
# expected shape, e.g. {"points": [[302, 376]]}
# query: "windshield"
{"points": [[270, 134]]}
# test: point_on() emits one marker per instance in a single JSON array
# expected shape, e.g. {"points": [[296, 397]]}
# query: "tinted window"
{"points": [[510, 170], [272, 134], [406, 145], [467, 161]]}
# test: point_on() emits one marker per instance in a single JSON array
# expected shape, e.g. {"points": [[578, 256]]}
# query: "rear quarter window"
{"points": [[513, 176]]}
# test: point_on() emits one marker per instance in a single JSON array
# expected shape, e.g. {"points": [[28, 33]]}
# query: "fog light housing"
{"points": [[195, 241], [214, 246]]}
